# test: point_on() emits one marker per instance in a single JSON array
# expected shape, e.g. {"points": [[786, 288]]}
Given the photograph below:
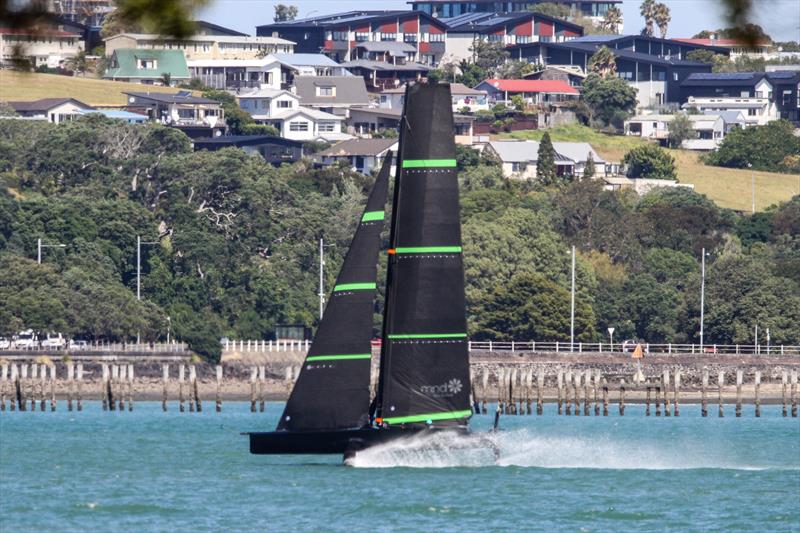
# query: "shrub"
{"points": [[650, 162]]}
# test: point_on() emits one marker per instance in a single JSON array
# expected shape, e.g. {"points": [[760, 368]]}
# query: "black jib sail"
{"points": [[332, 391], [424, 376]]}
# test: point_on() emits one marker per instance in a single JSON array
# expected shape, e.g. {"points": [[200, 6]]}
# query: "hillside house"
{"points": [[148, 67], [197, 117], [275, 150], [519, 158], [709, 130], [202, 46], [332, 94], [534, 92], [463, 97], [55, 110], [363, 155]]}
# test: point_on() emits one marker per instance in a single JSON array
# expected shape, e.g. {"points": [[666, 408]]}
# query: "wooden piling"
{"points": [[3, 378], [721, 384], [104, 386], [560, 384], [739, 377], [193, 377], [596, 386], [794, 393], [181, 377], [605, 397], [15, 389], [757, 393], [131, 381], [703, 387], [219, 384], [34, 375], [70, 384], [42, 388], [539, 387], [587, 378], [484, 390], [529, 390], [253, 378], [568, 407], [262, 376], [665, 383], [647, 402], [164, 384], [621, 397], [677, 392], [79, 386], [120, 377], [22, 403], [52, 387]]}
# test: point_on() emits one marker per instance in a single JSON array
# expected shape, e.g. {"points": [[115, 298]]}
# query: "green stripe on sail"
{"points": [[429, 250], [339, 357], [371, 216], [355, 287], [401, 336], [429, 163], [449, 415]]}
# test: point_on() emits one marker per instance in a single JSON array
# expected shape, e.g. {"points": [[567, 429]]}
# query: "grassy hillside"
{"points": [[730, 188], [92, 91]]}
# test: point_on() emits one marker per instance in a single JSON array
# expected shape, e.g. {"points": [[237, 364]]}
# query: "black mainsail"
{"points": [[424, 366], [332, 391]]}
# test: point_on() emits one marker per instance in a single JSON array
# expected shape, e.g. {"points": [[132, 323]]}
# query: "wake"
{"points": [[522, 448]]}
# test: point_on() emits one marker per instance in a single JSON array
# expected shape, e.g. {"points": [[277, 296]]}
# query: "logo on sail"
{"points": [[445, 390]]}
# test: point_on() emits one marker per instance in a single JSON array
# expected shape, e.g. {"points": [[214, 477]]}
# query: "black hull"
{"points": [[344, 442]]}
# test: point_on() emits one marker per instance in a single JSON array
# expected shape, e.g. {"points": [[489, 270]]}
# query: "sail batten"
{"points": [[424, 375], [332, 390]]}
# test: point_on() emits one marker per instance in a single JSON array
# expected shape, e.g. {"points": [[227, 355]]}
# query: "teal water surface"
{"points": [[154, 471]]}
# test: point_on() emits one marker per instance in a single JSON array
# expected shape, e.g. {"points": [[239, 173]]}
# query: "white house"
{"points": [[203, 46], [282, 109], [519, 158], [756, 111], [363, 155], [265, 103], [55, 110], [44, 46], [237, 74], [709, 129], [463, 96]]}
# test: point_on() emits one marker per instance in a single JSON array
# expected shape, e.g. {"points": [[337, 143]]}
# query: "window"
{"points": [[674, 76], [495, 38], [388, 36], [298, 126], [523, 39], [339, 36], [519, 167], [625, 75], [752, 112], [436, 37], [329, 127], [326, 91], [186, 113], [362, 36], [409, 37], [284, 104], [146, 63]]}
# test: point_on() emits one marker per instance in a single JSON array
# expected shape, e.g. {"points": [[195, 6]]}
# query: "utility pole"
{"points": [[755, 345], [702, 296], [572, 307]]}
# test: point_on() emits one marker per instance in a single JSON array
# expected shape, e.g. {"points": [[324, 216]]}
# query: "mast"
{"points": [[424, 374], [332, 390]]}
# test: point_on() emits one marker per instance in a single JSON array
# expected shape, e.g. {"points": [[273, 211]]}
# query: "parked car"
{"points": [[5, 343], [53, 341], [628, 345], [24, 340], [78, 344]]}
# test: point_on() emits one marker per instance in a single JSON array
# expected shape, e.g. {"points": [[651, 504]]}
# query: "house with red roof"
{"points": [[533, 91]]}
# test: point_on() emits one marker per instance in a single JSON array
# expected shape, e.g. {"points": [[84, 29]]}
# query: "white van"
{"points": [[24, 340], [53, 341]]}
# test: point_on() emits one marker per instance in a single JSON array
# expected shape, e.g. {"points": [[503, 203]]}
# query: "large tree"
{"points": [[612, 19], [546, 161], [680, 129], [611, 100], [489, 55], [648, 10], [284, 13], [651, 162], [603, 62], [662, 18]]}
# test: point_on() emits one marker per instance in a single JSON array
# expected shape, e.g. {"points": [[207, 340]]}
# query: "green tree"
{"points": [[612, 20], [471, 73], [284, 13], [166, 79], [588, 170], [546, 161], [701, 55], [648, 11], [680, 129], [662, 18], [78, 63], [611, 100], [650, 162], [603, 62], [761, 147], [236, 118], [489, 56], [551, 9]]}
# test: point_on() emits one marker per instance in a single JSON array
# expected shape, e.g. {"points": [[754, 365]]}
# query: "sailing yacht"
{"points": [[424, 380]]}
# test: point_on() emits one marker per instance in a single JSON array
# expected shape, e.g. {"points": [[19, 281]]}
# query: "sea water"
{"points": [[151, 471]]}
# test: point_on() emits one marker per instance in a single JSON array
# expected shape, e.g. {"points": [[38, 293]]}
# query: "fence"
{"points": [[262, 346], [107, 347]]}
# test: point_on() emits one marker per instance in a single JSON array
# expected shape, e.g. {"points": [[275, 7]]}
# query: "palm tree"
{"points": [[612, 20], [647, 10], [603, 62], [662, 18], [78, 63]]}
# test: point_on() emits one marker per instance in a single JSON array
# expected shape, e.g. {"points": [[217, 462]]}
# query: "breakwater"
{"points": [[580, 384]]}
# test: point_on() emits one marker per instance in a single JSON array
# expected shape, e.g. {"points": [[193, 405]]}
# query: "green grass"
{"points": [[727, 187], [24, 86]]}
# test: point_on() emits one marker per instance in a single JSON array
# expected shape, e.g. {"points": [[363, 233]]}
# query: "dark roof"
{"points": [[349, 17], [243, 140], [486, 22], [622, 53], [168, 98], [220, 30], [613, 39], [787, 75], [723, 78], [349, 89], [44, 104]]}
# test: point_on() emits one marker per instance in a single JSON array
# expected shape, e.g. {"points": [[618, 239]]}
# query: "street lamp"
{"points": [[322, 247], [39, 247], [611, 338], [702, 296], [572, 307]]}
